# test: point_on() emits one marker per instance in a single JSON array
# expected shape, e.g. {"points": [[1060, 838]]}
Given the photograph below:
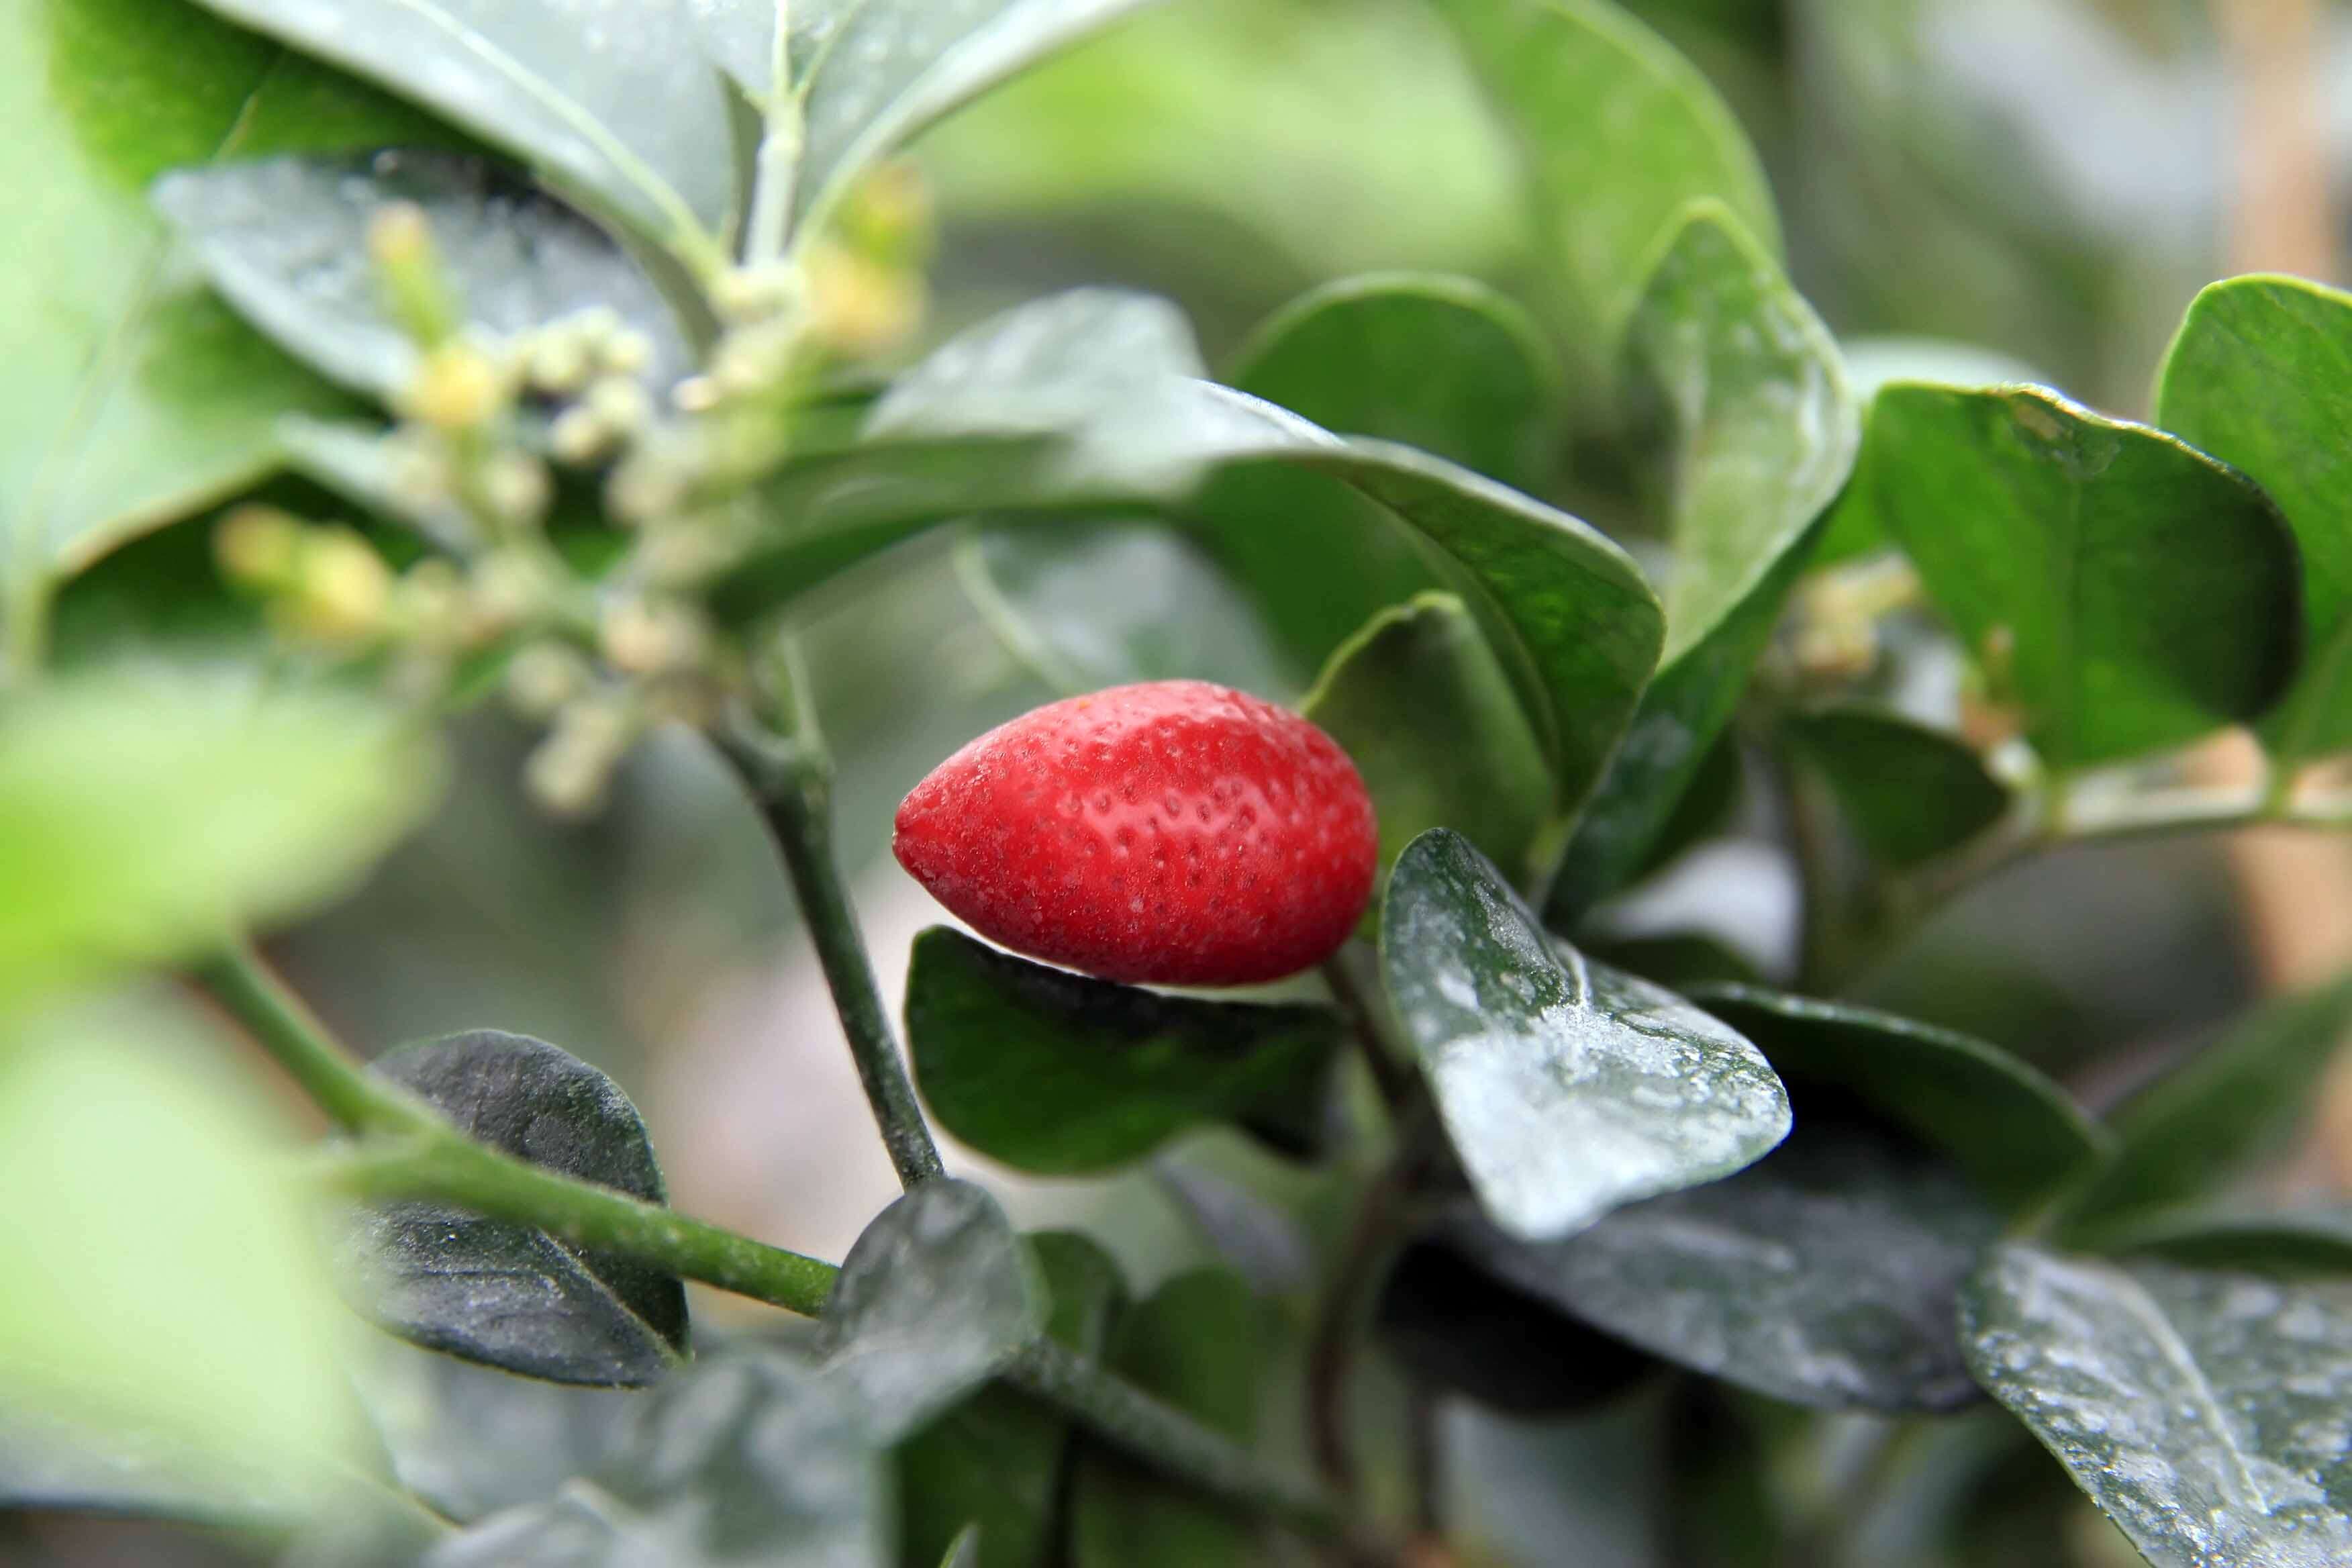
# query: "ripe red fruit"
{"points": [[1175, 832]]}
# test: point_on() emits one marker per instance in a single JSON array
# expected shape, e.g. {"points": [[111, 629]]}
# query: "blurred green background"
{"points": [[2047, 180]]}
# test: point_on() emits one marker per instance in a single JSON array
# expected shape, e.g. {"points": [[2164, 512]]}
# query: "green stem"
{"points": [[1373, 1241], [1385, 1055], [253, 994], [450, 1169], [792, 777]]}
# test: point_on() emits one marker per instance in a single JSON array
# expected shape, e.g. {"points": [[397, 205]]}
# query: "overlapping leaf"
{"points": [[1908, 792], [1569, 1088], [505, 1294]]}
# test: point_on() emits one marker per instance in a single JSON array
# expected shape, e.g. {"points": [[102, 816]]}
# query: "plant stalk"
{"points": [[281, 1023]]}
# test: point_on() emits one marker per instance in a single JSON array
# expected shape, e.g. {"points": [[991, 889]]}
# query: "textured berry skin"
{"points": [[1176, 832]]}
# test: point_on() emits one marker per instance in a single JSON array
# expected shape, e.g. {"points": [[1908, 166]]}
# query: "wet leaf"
{"points": [[2201, 1408], [2016, 1134], [1824, 1274], [1569, 1088], [935, 1296], [1059, 1073], [1422, 707], [2261, 376], [509, 1295], [2125, 591], [285, 240]]}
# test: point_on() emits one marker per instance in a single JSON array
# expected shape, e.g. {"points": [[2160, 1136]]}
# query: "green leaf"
{"points": [[1910, 794], [1824, 1274], [963, 1552], [163, 1302], [996, 1462], [750, 1457], [1059, 1073], [1426, 712], [509, 1295], [1569, 1088], [1619, 133], [1200, 1343], [2241, 1238], [615, 108], [2016, 1134], [285, 239], [147, 816], [2200, 1408], [133, 396], [1738, 386], [2128, 591], [1443, 364], [2233, 1103], [2261, 376], [1091, 604], [1678, 961], [1090, 399], [935, 1297], [1453, 1322]]}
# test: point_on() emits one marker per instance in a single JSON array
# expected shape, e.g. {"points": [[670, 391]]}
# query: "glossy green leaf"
{"points": [[936, 1295], [2201, 1408], [285, 239], [615, 107], [1569, 1088], [2015, 1133], [1091, 604], [2128, 592], [133, 396], [1056, 1073], [1088, 399], [1453, 1322], [1421, 705], [162, 1297], [1733, 381], [2236, 1102], [146, 816], [1619, 133], [996, 1462], [2261, 377], [1200, 1343], [753, 1456], [509, 1295], [1443, 364], [1824, 1274], [1910, 794]]}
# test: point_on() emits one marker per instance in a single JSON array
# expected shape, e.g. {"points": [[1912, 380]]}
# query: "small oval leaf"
{"points": [[1569, 1088], [509, 1295]]}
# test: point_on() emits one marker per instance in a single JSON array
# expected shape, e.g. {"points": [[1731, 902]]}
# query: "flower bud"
{"points": [[259, 546], [456, 387]]}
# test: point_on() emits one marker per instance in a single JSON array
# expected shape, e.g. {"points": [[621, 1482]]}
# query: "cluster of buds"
{"points": [[1838, 613], [324, 586]]}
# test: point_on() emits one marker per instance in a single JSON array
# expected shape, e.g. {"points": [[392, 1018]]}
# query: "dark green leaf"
{"points": [[2202, 1409], [2318, 1239], [1908, 792], [753, 1458], [2261, 376], [2128, 591], [507, 1295], [995, 1462], [1678, 960], [286, 240], [147, 815], [1199, 1342], [1052, 1072], [1826, 1274], [1090, 399], [1453, 1323], [1443, 364], [133, 396], [1420, 704], [1734, 381], [619, 109], [1619, 133], [2015, 1133], [2235, 1103], [1090, 604], [1569, 1088], [935, 1296], [1709, 807]]}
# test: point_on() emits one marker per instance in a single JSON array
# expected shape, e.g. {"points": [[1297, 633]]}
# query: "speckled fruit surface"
{"points": [[1175, 833]]}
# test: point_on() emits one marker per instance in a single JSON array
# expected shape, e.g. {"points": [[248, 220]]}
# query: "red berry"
{"points": [[1175, 832]]}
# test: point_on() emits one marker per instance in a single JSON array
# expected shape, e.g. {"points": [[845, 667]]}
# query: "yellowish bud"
{"points": [[517, 485], [858, 307], [399, 237], [644, 639], [557, 363], [889, 214], [342, 588], [259, 546], [579, 436], [753, 293], [620, 402], [456, 387], [626, 352], [568, 774], [542, 678]]}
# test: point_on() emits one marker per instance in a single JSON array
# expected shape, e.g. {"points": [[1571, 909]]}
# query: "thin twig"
{"points": [[1369, 1022], [1347, 1305]]}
